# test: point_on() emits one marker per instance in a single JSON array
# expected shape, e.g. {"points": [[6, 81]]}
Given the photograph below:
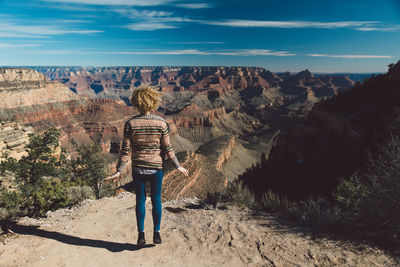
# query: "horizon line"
{"points": [[183, 66]]}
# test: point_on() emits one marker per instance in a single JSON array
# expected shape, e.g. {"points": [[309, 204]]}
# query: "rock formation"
{"points": [[13, 137], [116, 82], [27, 87]]}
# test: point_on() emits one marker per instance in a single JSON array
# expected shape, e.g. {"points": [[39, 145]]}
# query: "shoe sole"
{"points": [[141, 243], [157, 241]]}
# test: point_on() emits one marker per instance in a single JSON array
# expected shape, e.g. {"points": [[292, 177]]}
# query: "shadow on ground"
{"points": [[74, 240]]}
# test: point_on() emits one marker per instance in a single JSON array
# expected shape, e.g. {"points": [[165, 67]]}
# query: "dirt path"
{"points": [[103, 233]]}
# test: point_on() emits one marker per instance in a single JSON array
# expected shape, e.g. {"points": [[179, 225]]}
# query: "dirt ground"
{"points": [[103, 233]]}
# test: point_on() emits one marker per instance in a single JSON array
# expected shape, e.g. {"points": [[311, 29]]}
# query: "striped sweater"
{"points": [[146, 138]]}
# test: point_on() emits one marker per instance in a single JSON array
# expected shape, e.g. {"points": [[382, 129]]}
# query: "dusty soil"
{"points": [[103, 233]]}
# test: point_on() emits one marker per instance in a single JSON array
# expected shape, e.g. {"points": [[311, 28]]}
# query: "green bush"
{"points": [[11, 204], [43, 182], [350, 195], [240, 195], [372, 200], [40, 160], [90, 166], [49, 194]]}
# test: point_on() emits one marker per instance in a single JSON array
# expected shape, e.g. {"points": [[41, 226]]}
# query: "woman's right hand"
{"points": [[183, 170], [113, 177]]}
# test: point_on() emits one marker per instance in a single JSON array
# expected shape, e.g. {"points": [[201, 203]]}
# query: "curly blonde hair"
{"points": [[145, 98]]}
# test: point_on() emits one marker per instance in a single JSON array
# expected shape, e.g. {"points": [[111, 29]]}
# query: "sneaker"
{"points": [[157, 238], [141, 240]]}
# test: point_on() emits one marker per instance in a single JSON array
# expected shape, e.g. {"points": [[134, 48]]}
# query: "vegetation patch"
{"points": [[44, 180]]}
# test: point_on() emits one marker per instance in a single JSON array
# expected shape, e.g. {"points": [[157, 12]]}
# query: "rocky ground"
{"points": [[103, 233]]}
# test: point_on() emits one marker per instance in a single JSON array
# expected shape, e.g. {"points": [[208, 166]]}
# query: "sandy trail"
{"points": [[103, 233]]}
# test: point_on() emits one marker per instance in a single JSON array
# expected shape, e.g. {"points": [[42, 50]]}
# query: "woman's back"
{"points": [[146, 136]]}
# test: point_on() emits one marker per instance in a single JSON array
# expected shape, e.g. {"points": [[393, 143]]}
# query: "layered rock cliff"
{"points": [[205, 168], [116, 82], [193, 115], [113, 79], [13, 137], [27, 87]]}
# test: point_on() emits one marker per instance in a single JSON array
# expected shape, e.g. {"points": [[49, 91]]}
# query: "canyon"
{"points": [[221, 118], [334, 141]]}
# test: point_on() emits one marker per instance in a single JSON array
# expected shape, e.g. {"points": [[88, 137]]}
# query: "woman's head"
{"points": [[145, 98]]}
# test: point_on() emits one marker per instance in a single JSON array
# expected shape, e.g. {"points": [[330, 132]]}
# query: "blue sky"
{"points": [[323, 36]]}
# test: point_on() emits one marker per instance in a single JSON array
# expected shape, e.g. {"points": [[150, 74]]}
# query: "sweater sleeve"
{"points": [[176, 162], [166, 142], [125, 149]]}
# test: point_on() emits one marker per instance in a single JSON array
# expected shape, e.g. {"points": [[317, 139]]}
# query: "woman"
{"points": [[146, 137]]}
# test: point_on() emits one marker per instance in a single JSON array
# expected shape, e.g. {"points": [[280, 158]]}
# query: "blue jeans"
{"points": [[140, 190]]}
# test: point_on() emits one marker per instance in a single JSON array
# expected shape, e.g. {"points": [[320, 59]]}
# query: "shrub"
{"points": [[90, 165], [271, 201], [241, 195], [43, 182], [107, 190], [350, 195], [319, 211], [373, 200], [11, 203], [78, 193], [48, 194]]}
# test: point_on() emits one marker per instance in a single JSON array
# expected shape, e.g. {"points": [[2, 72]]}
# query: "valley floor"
{"points": [[103, 233]]}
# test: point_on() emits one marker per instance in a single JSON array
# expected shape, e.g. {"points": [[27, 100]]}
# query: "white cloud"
{"points": [[358, 25], [18, 35], [254, 52], [233, 52], [195, 42], [134, 13], [140, 3], [150, 20], [70, 7], [152, 23], [114, 2], [167, 52], [148, 26], [349, 56], [11, 29], [385, 28], [71, 21], [239, 52], [8, 45], [194, 5], [57, 52]]}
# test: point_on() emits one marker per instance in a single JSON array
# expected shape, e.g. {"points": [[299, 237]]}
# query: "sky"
{"points": [[360, 36]]}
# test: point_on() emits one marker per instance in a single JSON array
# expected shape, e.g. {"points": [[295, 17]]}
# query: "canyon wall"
{"points": [[13, 137], [334, 141], [117, 82], [221, 118], [27, 87]]}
